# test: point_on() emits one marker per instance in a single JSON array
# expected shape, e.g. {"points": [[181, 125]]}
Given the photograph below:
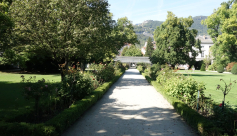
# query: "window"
{"points": [[202, 46], [209, 46], [202, 55]]}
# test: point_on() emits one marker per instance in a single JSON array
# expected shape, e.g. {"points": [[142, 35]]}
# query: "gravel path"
{"points": [[131, 107]]}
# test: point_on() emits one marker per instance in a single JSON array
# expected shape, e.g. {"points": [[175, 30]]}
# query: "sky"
{"points": [[138, 11]]}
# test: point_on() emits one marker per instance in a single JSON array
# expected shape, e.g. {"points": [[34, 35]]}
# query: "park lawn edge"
{"points": [[58, 124], [199, 123]]}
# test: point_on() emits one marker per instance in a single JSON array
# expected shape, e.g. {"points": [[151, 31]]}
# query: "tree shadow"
{"points": [[200, 75]]}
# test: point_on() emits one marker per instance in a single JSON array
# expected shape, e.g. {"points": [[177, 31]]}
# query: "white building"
{"points": [[206, 43]]}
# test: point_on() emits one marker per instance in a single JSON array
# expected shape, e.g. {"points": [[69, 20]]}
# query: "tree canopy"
{"points": [[222, 27], [175, 42], [131, 51], [149, 48]]}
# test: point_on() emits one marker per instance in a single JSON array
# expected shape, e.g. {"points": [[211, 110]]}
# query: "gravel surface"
{"points": [[131, 107]]}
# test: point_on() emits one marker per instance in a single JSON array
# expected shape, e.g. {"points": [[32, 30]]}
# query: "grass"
{"points": [[12, 100], [212, 79]]}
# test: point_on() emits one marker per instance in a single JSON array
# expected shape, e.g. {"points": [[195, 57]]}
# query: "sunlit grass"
{"points": [[212, 79]]}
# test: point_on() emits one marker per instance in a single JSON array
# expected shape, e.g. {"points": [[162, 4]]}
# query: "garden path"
{"points": [[131, 107]]}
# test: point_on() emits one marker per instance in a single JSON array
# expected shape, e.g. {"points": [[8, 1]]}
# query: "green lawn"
{"points": [[212, 79], [11, 98]]}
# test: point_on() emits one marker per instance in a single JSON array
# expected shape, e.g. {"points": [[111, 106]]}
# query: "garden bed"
{"points": [[60, 122]]}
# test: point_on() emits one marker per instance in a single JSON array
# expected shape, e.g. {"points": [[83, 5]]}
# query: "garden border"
{"points": [[58, 124], [195, 120]]}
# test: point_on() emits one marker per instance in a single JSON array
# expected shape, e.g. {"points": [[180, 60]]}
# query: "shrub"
{"points": [[209, 67], [230, 66], [74, 86], [234, 69], [203, 67], [220, 69]]}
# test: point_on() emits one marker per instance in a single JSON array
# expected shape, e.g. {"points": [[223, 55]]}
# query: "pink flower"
{"points": [[46, 86], [29, 89]]}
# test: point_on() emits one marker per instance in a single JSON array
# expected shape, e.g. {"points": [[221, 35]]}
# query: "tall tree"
{"points": [[222, 28], [6, 24], [149, 48], [175, 42], [133, 51], [61, 29]]}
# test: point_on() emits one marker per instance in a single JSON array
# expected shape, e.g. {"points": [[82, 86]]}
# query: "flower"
{"points": [[220, 105], [73, 66], [29, 89], [46, 86], [93, 79], [56, 89]]}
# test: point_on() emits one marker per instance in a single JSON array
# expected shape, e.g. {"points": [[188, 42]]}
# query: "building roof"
{"points": [[204, 39]]}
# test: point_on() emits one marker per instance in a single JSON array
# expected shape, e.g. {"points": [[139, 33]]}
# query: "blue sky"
{"points": [[138, 11]]}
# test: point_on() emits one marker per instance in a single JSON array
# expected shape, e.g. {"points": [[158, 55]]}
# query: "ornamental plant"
{"points": [[74, 86], [220, 69], [234, 69], [203, 67], [226, 89], [35, 90]]}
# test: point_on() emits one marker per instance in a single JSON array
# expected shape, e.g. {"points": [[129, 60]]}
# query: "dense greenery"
{"points": [[131, 51], [203, 67], [220, 69], [181, 91], [221, 26], [234, 69], [149, 48], [81, 31], [175, 41]]}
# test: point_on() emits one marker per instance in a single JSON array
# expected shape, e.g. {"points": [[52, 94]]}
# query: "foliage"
{"points": [[103, 72], [67, 30], [226, 89], [220, 69], [132, 51], [36, 90], [203, 67], [230, 66], [221, 26], [174, 41], [207, 60], [143, 39], [124, 51], [226, 120], [62, 121], [149, 48], [74, 86], [6, 24], [234, 69]]}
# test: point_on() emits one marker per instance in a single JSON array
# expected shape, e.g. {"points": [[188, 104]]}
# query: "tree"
{"points": [[207, 60], [61, 29], [124, 51], [133, 51], [175, 41], [149, 48], [222, 28], [6, 24]]}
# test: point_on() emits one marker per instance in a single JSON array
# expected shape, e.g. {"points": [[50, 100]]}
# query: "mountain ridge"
{"points": [[145, 29]]}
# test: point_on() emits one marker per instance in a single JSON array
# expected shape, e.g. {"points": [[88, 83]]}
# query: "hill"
{"points": [[145, 30]]}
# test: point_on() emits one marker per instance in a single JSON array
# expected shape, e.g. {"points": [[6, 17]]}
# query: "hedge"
{"points": [[58, 124], [195, 120]]}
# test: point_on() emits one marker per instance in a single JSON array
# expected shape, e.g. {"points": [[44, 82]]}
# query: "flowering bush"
{"points": [[104, 72], [36, 90], [74, 86]]}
